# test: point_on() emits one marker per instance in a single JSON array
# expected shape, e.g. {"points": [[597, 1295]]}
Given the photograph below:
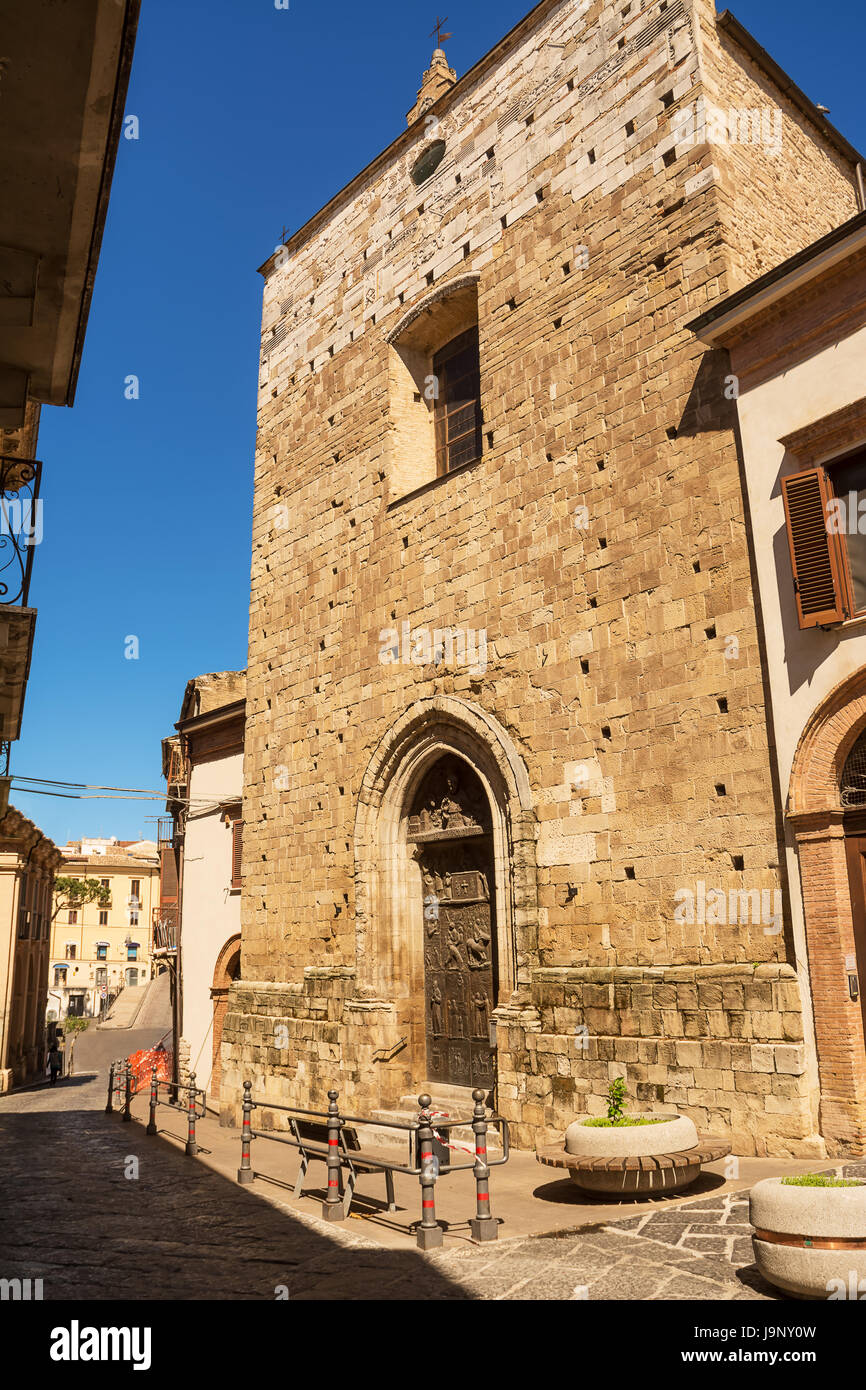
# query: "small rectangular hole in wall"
{"points": [[629, 127], [721, 790], [584, 665], [739, 862], [671, 431], [668, 158], [600, 465], [512, 303], [696, 566], [539, 195], [593, 603], [400, 297], [566, 267], [667, 99], [504, 223], [530, 120], [491, 152], [429, 277], [405, 542], [605, 731], [490, 439], [557, 323], [710, 632], [621, 43], [466, 252], [602, 543], [722, 704], [629, 871], [591, 156], [569, 86], [458, 178]]}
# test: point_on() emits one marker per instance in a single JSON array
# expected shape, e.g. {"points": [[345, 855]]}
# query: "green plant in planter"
{"points": [[820, 1180], [616, 1098], [616, 1116]]}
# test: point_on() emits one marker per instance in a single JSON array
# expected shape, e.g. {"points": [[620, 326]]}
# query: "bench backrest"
{"points": [[316, 1131]]}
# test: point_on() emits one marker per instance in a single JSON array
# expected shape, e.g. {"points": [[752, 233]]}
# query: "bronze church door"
{"points": [[455, 855]]}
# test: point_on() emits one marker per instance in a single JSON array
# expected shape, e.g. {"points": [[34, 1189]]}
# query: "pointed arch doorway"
{"points": [[451, 831], [485, 841]]}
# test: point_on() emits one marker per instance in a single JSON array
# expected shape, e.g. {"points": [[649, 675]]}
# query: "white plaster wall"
{"points": [[211, 911], [803, 665]]}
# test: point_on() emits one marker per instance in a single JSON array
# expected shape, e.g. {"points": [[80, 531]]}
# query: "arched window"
{"points": [[853, 786]]}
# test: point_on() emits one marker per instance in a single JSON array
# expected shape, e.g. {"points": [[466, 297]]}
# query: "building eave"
{"points": [[726, 320]]}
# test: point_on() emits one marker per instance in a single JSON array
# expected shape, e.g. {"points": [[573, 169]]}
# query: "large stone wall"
{"points": [[623, 655]]}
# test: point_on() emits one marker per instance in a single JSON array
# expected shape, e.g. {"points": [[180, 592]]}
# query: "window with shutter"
{"points": [[817, 552], [237, 851]]}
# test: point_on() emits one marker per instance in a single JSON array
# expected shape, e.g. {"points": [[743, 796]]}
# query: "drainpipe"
{"points": [[861, 191]]}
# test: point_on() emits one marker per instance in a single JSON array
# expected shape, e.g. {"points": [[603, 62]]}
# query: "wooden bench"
{"points": [[312, 1140], [638, 1174]]}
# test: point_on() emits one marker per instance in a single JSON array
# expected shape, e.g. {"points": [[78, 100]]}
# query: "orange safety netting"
{"points": [[141, 1065]]}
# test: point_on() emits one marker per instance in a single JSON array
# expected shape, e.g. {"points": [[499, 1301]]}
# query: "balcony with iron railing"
{"points": [[20, 533], [164, 931]]}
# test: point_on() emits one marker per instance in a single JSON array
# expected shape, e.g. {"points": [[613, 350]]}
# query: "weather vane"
{"points": [[440, 37]]}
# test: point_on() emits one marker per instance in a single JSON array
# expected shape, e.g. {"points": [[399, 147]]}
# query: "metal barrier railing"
{"points": [[192, 1111], [120, 1084], [338, 1156]]}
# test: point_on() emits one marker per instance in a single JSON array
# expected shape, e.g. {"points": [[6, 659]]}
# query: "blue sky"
{"points": [[250, 118]]}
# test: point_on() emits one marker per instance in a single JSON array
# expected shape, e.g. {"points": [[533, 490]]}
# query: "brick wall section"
{"points": [[838, 1020], [616, 409]]}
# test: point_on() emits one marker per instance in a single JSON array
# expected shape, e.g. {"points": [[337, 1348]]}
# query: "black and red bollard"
{"points": [[428, 1234], [127, 1093], [483, 1226], [191, 1146], [154, 1095], [332, 1207], [245, 1172]]}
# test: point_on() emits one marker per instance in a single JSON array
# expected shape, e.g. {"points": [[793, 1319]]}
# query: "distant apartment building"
{"points": [[28, 862], [100, 947], [198, 924]]}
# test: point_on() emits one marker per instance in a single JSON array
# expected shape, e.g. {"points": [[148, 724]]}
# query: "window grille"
{"points": [[853, 790]]}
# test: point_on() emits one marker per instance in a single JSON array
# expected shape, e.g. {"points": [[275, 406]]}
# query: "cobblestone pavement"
{"points": [[180, 1230]]}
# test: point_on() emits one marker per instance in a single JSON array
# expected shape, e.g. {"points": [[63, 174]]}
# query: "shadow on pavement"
{"points": [[83, 1222]]}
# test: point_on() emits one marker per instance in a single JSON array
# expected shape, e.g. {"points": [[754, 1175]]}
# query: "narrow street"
{"points": [[178, 1230], [79, 1218]]}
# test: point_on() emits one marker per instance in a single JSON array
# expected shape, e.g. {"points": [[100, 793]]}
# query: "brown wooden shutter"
{"points": [[817, 557], [237, 851]]}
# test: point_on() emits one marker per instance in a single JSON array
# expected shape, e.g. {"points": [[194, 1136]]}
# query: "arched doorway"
{"points": [[450, 826], [227, 969], [831, 841], [402, 843]]}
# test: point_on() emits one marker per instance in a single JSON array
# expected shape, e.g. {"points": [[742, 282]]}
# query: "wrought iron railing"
{"points": [[164, 929], [20, 525]]}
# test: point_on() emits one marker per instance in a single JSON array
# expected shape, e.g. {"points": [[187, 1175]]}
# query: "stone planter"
{"points": [[810, 1241], [632, 1160], [670, 1134]]}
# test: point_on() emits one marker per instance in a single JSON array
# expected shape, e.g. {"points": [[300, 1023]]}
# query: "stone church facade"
{"points": [[510, 811]]}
